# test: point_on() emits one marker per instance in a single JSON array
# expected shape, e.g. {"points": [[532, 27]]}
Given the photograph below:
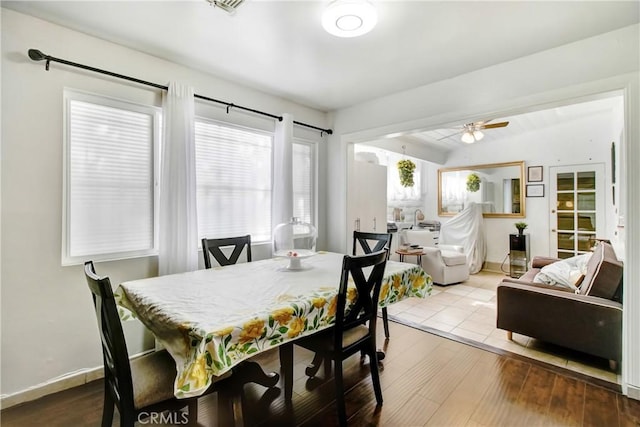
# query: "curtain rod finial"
{"points": [[36, 55]]}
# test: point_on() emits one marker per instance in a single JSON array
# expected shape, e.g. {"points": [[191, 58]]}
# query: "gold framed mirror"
{"points": [[497, 187]]}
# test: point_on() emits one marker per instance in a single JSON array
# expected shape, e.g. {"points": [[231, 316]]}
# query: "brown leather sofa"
{"points": [[589, 321]]}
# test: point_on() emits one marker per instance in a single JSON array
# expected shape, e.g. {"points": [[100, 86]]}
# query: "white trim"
{"points": [[61, 383], [70, 95], [55, 385]]}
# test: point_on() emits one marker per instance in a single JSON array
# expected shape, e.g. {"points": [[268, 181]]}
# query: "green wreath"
{"points": [[473, 182]]}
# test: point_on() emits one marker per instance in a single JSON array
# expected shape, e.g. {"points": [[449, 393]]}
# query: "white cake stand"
{"points": [[295, 257]]}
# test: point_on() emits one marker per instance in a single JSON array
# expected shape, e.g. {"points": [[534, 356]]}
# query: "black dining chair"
{"points": [[380, 241], [142, 385], [354, 329], [213, 247]]}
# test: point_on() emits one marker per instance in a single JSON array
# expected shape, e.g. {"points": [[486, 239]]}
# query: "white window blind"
{"points": [[303, 181], [233, 174], [109, 179]]}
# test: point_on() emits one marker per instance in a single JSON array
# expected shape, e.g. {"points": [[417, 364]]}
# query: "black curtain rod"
{"points": [[36, 55]]}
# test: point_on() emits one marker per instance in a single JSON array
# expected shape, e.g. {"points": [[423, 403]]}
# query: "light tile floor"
{"points": [[468, 310]]}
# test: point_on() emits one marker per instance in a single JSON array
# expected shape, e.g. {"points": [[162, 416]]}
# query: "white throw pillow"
{"points": [[566, 273]]}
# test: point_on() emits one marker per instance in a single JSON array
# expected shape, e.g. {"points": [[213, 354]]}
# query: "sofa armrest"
{"points": [[541, 261], [585, 323], [536, 284], [454, 248], [432, 251]]}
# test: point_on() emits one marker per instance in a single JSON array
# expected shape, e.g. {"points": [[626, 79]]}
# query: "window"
{"points": [[303, 181], [233, 175], [109, 179]]}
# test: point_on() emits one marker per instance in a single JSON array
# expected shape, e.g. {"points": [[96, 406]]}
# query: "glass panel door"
{"points": [[577, 208]]}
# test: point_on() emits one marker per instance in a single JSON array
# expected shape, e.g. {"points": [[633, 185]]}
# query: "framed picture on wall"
{"points": [[535, 190], [534, 174]]}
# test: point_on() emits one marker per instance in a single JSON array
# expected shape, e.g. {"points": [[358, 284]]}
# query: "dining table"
{"points": [[211, 320]]}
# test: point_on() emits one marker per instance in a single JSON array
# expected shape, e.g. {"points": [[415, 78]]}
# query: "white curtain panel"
{"points": [[282, 208], [178, 231]]}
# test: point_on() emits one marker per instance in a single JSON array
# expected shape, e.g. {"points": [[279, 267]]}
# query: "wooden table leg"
{"points": [[286, 367], [252, 372], [314, 366]]}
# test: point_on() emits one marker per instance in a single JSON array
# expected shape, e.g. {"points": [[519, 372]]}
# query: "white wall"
{"points": [[48, 326], [557, 75]]}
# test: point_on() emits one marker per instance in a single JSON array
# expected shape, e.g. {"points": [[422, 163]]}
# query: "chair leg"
{"points": [[193, 412], [340, 402], [385, 322], [375, 374], [107, 408], [327, 368], [286, 367]]}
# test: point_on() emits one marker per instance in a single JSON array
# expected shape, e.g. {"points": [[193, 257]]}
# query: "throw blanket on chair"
{"points": [[466, 229]]}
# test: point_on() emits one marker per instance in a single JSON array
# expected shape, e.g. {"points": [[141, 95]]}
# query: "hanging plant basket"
{"points": [[473, 182], [406, 168]]}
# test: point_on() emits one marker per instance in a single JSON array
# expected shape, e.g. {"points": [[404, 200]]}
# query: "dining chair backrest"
{"points": [[117, 371], [382, 241], [213, 247], [364, 308]]}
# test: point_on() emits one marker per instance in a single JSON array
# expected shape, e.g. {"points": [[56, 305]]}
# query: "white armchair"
{"points": [[446, 264]]}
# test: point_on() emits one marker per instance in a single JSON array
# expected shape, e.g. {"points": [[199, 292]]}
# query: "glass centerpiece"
{"points": [[295, 241]]}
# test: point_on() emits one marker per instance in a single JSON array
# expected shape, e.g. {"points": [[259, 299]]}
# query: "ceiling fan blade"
{"points": [[494, 125], [449, 136]]}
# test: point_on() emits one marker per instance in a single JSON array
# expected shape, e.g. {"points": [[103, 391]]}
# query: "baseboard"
{"points": [[494, 267], [633, 392], [52, 386], [56, 385]]}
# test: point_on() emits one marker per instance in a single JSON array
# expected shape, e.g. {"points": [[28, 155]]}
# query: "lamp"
{"points": [[471, 134], [468, 137], [349, 18]]}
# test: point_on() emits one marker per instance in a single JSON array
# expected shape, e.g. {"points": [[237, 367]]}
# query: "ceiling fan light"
{"points": [[468, 138], [349, 18], [478, 135]]}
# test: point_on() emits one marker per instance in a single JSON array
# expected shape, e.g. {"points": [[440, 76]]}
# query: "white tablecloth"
{"points": [[210, 320]]}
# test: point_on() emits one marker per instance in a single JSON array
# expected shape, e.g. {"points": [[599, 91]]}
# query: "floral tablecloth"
{"points": [[210, 320]]}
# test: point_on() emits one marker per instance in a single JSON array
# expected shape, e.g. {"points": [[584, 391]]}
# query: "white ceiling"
{"points": [[449, 139], [280, 47]]}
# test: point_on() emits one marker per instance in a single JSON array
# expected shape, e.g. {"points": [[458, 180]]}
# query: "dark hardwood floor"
{"points": [[427, 380]]}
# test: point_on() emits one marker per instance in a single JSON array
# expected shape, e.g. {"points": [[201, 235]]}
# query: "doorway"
{"points": [[577, 208]]}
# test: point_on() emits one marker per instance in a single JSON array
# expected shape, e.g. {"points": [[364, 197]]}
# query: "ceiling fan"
{"points": [[471, 132]]}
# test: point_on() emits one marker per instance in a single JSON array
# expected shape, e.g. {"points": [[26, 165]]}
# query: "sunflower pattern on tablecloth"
{"points": [[212, 353]]}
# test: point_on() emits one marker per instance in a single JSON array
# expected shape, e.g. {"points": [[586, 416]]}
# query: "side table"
{"points": [[405, 252]]}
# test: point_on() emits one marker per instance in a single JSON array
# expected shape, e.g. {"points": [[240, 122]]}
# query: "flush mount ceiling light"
{"points": [[349, 18]]}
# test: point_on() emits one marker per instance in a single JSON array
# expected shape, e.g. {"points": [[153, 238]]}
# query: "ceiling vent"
{"points": [[227, 5]]}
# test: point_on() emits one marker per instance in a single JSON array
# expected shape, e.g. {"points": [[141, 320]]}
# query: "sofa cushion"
{"points": [[452, 258], [604, 273]]}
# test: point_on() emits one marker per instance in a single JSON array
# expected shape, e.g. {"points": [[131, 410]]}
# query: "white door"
{"points": [[577, 208]]}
